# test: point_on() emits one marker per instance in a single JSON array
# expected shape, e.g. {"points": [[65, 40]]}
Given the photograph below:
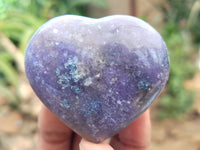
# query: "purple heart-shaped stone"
{"points": [[97, 75]]}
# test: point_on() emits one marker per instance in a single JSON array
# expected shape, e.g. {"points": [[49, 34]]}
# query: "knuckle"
{"points": [[53, 137], [136, 144]]}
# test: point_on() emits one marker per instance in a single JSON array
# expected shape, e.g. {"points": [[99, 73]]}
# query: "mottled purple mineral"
{"points": [[97, 75]]}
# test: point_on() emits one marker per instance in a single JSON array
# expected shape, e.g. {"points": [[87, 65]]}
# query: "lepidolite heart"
{"points": [[97, 75]]}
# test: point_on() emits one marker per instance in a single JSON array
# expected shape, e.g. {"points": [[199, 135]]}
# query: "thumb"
{"points": [[85, 145]]}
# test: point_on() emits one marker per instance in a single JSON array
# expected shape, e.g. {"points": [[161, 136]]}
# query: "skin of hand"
{"points": [[54, 135]]}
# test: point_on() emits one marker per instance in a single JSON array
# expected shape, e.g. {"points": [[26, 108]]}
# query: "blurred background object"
{"points": [[175, 116]]}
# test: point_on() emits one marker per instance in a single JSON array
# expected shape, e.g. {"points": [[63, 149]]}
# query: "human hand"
{"points": [[54, 135]]}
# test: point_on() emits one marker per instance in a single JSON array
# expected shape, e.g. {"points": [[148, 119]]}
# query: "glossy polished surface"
{"points": [[97, 75]]}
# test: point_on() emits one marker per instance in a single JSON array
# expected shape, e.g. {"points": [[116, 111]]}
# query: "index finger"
{"points": [[136, 136]]}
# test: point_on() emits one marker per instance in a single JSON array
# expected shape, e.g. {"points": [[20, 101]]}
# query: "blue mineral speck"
{"points": [[69, 75], [143, 85], [63, 79], [76, 89], [65, 103], [93, 107]]}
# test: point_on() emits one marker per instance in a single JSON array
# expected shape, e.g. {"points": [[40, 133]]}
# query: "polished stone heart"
{"points": [[97, 75]]}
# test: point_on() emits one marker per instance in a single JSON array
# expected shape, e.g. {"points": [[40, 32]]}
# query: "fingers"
{"points": [[136, 136], [53, 134], [76, 140], [85, 145]]}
